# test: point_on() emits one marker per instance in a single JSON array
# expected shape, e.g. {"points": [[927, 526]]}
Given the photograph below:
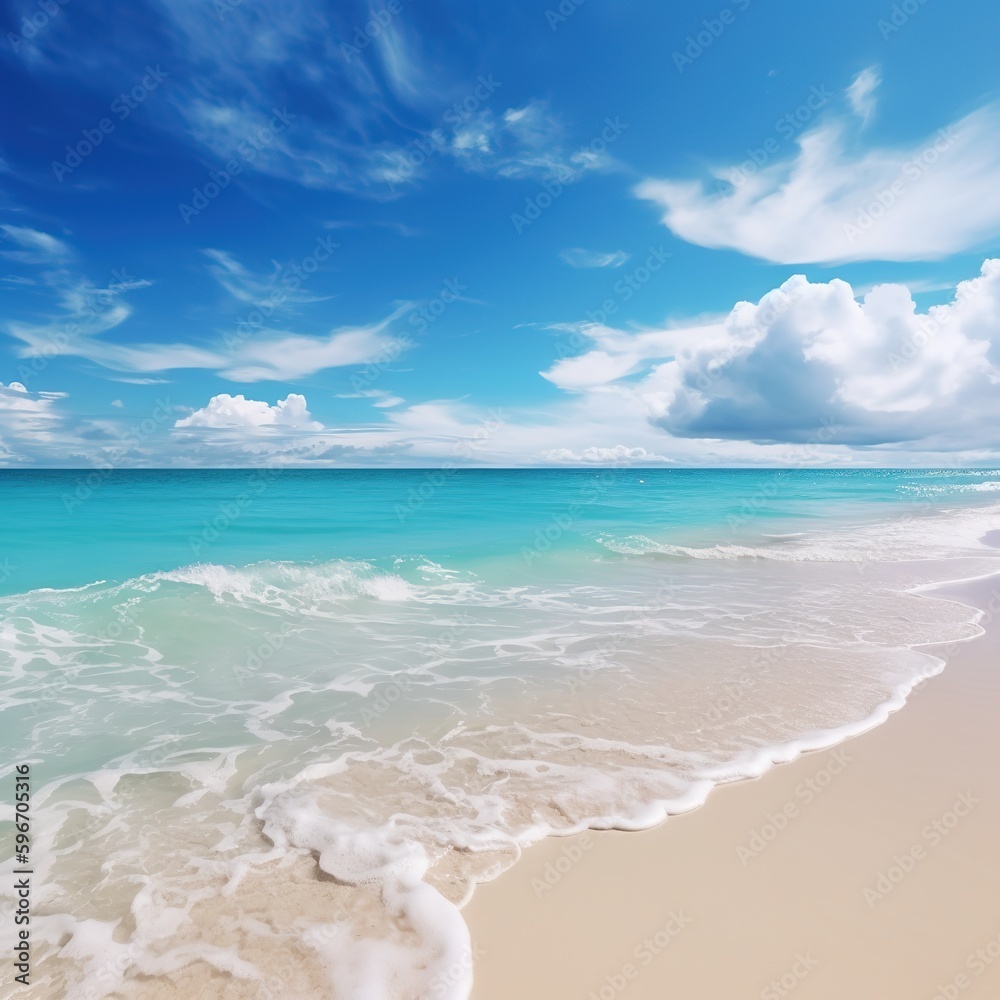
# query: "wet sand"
{"points": [[869, 871]]}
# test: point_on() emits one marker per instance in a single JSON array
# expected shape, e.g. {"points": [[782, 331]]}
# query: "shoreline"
{"points": [[863, 869]]}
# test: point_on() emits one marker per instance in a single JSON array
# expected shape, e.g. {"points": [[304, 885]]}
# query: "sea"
{"points": [[280, 723]]}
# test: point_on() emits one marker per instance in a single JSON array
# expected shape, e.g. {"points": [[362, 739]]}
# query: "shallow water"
{"points": [[281, 723]]}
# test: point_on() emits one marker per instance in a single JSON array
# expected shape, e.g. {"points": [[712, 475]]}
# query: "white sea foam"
{"points": [[285, 779], [937, 534]]}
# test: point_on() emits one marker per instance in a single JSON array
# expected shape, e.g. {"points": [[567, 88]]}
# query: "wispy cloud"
{"points": [[280, 286], [578, 257], [36, 247], [380, 398], [830, 204], [86, 313], [524, 142], [861, 92], [284, 356]]}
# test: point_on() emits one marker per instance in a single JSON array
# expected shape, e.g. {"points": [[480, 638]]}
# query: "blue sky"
{"points": [[413, 233]]}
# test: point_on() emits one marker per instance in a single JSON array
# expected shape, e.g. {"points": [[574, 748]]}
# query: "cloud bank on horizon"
{"points": [[328, 235]]}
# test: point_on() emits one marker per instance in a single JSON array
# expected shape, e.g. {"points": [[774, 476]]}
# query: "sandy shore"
{"points": [[870, 872]]}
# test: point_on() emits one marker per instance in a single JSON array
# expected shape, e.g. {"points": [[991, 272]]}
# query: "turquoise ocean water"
{"points": [[281, 722]]}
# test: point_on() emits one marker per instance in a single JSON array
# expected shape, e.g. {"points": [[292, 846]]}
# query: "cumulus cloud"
{"points": [[578, 257], [832, 201], [225, 412], [811, 363]]}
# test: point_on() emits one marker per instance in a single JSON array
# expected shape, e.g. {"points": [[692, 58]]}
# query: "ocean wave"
{"points": [[288, 777], [923, 535]]}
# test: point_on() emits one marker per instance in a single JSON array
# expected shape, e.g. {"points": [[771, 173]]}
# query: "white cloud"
{"points": [[291, 356], [829, 203], [279, 288], [578, 257], [861, 92], [225, 412], [810, 363], [117, 403], [37, 247], [88, 312], [28, 418], [524, 142], [380, 397], [617, 353], [618, 455]]}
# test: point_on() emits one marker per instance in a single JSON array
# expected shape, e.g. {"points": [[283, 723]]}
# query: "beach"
{"points": [[353, 754], [868, 870]]}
